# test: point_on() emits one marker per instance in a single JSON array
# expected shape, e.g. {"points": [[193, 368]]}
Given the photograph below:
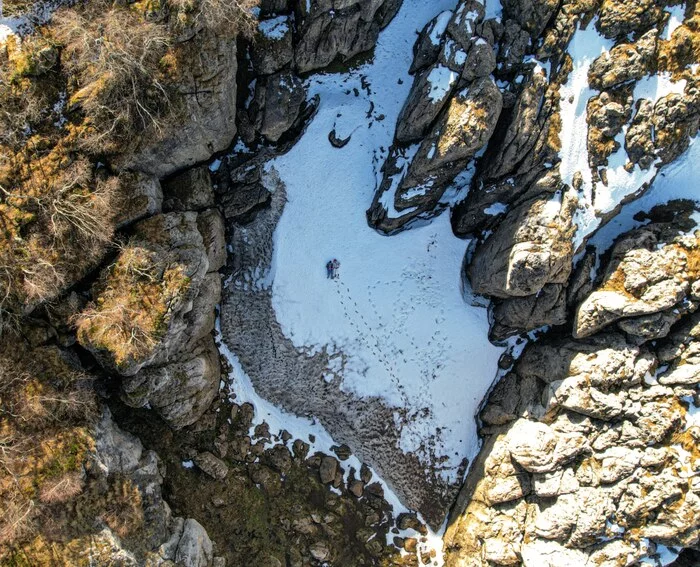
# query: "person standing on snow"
{"points": [[329, 270], [336, 265]]}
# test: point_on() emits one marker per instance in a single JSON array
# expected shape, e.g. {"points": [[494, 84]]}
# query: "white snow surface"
{"points": [[274, 29], [441, 79], [677, 13], [397, 312]]}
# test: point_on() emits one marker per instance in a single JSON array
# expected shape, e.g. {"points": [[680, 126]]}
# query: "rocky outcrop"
{"points": [[452, 109], [584, 458], [165, 540], [206, 123], [168, 361], [530, 249], [624, 62], [619, 18], [650, 282], [337, 30], [279, 105], [514, 169]]}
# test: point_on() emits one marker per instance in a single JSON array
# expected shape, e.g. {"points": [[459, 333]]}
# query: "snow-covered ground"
{"points": [[678, 180], [597, 199], [396, 312]]}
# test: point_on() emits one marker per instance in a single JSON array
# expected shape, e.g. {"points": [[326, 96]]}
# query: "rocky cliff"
{"points": [[139, 198]]}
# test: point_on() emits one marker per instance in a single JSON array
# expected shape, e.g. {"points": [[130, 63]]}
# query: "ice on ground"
{"points": [[397, 310], [312, 433], [274, 29]]}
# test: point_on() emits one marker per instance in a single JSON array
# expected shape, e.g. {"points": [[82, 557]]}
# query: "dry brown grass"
{"points": [[132, 305], [45, 406], [113, 58], [230, 17]]}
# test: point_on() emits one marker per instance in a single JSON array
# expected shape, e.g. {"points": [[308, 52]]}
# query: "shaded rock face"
{"points": [[299, 37], [337, 30], [207, 123], [514, 168], [528, 251], [452, 110]]}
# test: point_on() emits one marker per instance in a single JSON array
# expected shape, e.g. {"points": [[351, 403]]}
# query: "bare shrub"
{"points": [[231, 17], [113, 55]]}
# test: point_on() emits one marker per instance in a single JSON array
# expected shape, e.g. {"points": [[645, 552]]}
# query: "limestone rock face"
{"points": [[530, 249], [532, 16], [179, 374], [618, 18], [332, 30], [513, 168], [278, 104], [272, 49], [180, 392], [650, 281], [207, 123], [424, 102], [561, 485], [452, 110], [465, 126], [190, 190], [141, 195]]}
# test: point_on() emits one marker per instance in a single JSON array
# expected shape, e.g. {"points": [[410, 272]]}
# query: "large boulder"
{"points": [[464, 127], [624, 62], [207, 123], [272, 49], [337, 30], [531, 248], [650, 281]]}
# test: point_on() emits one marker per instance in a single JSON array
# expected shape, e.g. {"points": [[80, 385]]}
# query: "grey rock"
{"points": [[139, 195], [532, 15], [624, 62], [467, 16], [272, 48], [211, 465], [429, 95], [619, 18], [328, 469], [337, 30], [194, 548], [179, 392], [530, 249], [427, 46], [278, 104], [189, 191], [648, 276], [210, 224], [208, 120]]}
